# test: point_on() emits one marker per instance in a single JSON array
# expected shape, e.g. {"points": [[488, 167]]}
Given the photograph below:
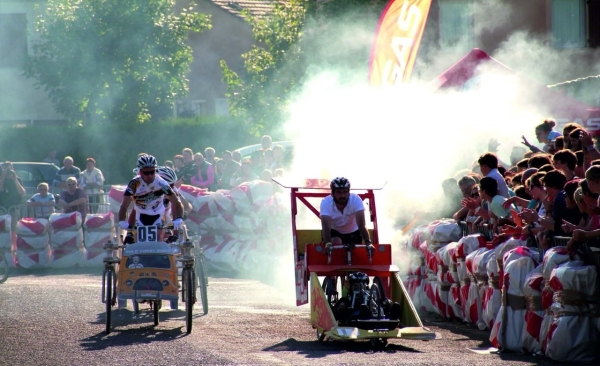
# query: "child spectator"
{"points": [[43, 201]]}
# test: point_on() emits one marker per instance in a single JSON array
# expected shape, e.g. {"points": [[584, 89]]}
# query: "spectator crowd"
{"points": [[540, 194], [83, 190]]}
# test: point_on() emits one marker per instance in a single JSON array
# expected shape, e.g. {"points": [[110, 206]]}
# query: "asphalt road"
{"points": [[58, 319]]}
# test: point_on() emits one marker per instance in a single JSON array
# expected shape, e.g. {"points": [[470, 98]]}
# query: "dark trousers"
{"points": [[350, 238]]}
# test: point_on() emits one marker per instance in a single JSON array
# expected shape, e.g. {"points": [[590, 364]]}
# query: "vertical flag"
{"points": [[399, 34]]}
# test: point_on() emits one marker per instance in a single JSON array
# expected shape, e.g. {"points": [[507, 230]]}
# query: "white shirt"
{"points": [[343, 222], [148, 198], [502, 187]]}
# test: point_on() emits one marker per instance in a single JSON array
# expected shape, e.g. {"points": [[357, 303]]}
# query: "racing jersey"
{"points": [[167, 214], [148, 198], [344, 222]]}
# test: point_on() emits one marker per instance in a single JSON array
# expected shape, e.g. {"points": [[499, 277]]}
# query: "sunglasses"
{"points": [[148, 172]]}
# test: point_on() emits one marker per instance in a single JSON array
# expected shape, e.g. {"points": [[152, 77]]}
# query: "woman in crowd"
{"points": [[544, 133]]}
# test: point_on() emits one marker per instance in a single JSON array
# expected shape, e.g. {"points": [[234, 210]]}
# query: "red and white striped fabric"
{"points": [[241, 199], [115, 197], [510, 321], [520, 252], [66, 240], [573, 335], [448, 299], [99, 229], [191, 194], [553, 258], [427, 298], [471, 294], [492, 300], [33, 243], [534, 315], [260, 192], [500, 250], [221, 201], [417, 236], [446, 231]]}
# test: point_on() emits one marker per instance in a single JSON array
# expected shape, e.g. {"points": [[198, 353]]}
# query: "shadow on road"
{"points": [[316, 349], [129, 328]]}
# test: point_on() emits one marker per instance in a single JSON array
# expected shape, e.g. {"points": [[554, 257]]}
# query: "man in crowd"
{"points": [[92, 182], [73, 198], [67, 171], [488, 164], [229, 169], [189, 169]]}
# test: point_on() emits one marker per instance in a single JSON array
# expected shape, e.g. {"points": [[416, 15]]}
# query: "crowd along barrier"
{"points": [[530, 298]]}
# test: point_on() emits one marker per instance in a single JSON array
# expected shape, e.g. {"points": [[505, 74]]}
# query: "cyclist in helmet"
{"points": [[343, 216], [147, 191], [170, 177]]}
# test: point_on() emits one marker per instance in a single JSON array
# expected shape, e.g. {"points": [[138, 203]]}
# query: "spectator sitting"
{"points": [[266, 142], [539, 160], [488, 164], [229, 169], [516, 180], [188, 170], [554, 182], [205, 173], [92, 182], [43, 201], [74, 198], [244, 174], [169, 164], [11, 193], [465, 184], [210, 156], [566, 162], [546, 168], [488, 190], [522, 165], [67, 171], [574, 139], [178, 163], [236, 156], [567, 129], [559, 143], [51, 158], [277, 157]]}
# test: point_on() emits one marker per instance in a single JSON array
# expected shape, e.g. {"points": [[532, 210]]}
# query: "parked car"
{"points": [[247, 151], [32, 174]]}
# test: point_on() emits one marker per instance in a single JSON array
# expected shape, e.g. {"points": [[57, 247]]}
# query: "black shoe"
{"points": [[129, 238]]}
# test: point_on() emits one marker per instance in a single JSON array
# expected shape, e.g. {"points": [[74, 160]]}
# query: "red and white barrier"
{"points": [[534, 315], [573, 336], [33, 243], [66, 240], [492, 299], [99, 229], [115, 197], [510, 321]]}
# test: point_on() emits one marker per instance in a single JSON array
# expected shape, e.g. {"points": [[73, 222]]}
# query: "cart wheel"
{"points": [[202, 283], [375, 301], [4, 268], [155, 310], [189, 298], [379, 284], [320, 336], [332, 286], [378, 342], [108, 300]]}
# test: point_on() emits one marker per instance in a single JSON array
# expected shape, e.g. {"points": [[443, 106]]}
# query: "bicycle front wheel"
{"points": [[202, 283], [188, 283], [4, 268]]}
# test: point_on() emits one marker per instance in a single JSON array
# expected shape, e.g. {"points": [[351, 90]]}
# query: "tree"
{"points": [[113, 60], [271, 66], [299, 38]]}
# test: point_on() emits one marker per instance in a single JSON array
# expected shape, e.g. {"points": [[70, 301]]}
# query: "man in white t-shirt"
{"points": [[343, 216]]}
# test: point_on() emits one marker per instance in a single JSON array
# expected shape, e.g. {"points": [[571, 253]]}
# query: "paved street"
{"points": [[58, 319]]}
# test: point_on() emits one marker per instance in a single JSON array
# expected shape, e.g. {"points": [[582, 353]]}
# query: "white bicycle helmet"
{"points": [[167, 174], [146, 161], [339, 182]]}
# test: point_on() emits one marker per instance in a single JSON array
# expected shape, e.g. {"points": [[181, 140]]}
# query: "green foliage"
{"points": [[113, 60], [272, 67], [115, 150], [299, 39]]}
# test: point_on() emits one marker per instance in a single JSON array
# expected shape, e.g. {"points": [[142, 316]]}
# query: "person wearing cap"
{"points": [[343, 216]]}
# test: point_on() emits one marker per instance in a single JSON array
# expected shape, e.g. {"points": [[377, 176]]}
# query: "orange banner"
{"points": [[399, 34]]}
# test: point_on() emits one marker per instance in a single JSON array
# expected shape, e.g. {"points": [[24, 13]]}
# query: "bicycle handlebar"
{"points": [[349, 248]]}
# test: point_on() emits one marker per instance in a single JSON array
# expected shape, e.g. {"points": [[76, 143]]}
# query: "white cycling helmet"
{"points": [[146, 161], [339, 182], [167, 174]]}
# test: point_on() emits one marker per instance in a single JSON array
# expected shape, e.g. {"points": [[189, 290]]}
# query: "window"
{"points": [[13, 39], [456, 24], [568, 23], [197, 107], [221, 107]]}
